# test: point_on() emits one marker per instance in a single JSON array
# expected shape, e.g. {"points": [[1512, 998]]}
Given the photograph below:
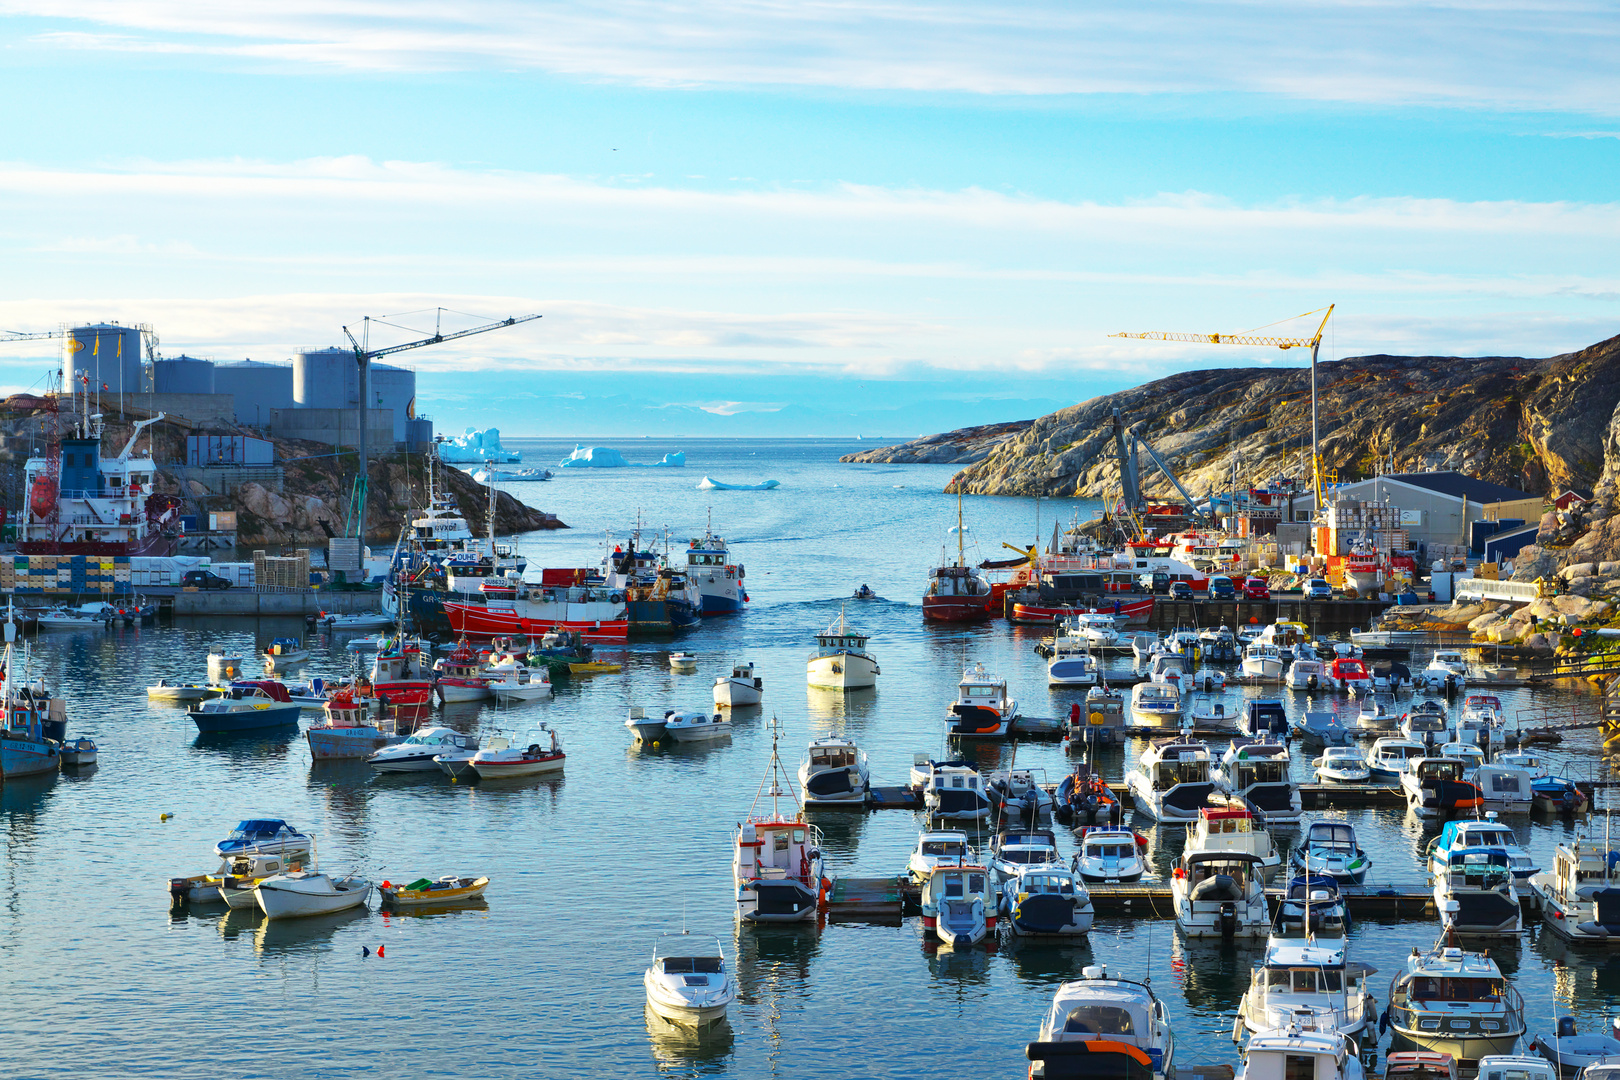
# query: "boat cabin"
{"points": [[956, 581], [833, 753], [1228, 830], [1300, 1052], [1347, 671], [1181, 763], [982, 690], [1419, 1065], [776, 849]]}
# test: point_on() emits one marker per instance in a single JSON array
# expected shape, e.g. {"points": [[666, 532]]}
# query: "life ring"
{"points": [[616, 598]]}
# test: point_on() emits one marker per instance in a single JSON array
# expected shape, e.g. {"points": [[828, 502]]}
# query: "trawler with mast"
{"points": [[956, 591], [776, 866]]}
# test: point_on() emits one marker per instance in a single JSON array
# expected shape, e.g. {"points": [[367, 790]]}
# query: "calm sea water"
{"points": [[101, 979]]}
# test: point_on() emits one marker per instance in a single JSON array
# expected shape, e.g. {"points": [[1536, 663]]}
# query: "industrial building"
{"points": [[1435, 507], [257, 388]]}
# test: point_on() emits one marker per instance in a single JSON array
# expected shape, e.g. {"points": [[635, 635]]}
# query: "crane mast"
{"points": [[1314, 343], [364, 355]]}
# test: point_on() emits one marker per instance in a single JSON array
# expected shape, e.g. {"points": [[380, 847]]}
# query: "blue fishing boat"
{"points": [[25, 749], [249, 706], [719, 581]]}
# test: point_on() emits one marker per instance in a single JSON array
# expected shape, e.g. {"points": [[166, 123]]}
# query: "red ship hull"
{"points": [[958, 609], [1129, 610], [481, 622]]}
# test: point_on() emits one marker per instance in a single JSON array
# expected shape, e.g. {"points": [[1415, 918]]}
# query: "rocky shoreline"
{"points": [[964, 446]]}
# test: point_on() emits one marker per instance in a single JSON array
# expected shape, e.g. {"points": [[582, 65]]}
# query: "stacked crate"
{"points": [[277, 573], [106, 574]]}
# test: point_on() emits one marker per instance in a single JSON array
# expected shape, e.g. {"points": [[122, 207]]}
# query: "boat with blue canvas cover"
{"points": [[264, 836]]}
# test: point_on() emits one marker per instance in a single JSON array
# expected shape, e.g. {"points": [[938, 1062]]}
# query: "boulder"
{"points": [[1488, 619], [1609, 569], [1575, 606], [1575, 570], [1582, 586], [1537, 643], [197, 488]]}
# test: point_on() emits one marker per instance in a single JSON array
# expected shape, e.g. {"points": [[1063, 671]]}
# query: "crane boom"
{"points": [[1314, 343], [17, 335], [364, 354]]}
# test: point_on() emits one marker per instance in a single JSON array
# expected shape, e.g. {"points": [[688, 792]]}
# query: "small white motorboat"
{"points": [[61, 618], [284, 652], [834, 773], [1104, 1026], [1109, 855], [646, 728], [741, 687], [417, 753], [240, 876], [367, 620], [77, 753], [958, 905], [936, 847], [696, 725], [264, 836], [1342, 765], [517, 683], [306, 892], [1220, 894], [540, 752], [167, 691], [682, 662], [688, 982], [1047, 901], [457, 763], [1303, 1050]]}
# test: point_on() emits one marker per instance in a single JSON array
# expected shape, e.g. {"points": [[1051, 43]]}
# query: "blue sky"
{"points": [[752, 216]]}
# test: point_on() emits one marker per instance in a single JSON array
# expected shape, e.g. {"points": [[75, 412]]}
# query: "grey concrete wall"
{"points": [[214, 408], [336, 427], [249, 602]]}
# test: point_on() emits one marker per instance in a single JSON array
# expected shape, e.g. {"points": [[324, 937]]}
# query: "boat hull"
{"points": [[500, 770], [734, 692], [844, 672], [282, 903], [454, 690], [610, 624], [647, 731], [28, 757], [957, 609], [271, 716], [697, 732], [1132, 611], [333, 744]]}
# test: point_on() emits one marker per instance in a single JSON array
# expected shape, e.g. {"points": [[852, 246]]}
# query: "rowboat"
{"points": [[446, 890], [595, 667]]}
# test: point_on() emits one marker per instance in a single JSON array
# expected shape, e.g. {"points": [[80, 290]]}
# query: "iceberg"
{"points": [[672, 461], [477, 447], [710, 484], [593, 457]]}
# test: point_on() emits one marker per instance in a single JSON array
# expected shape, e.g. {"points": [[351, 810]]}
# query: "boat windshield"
{"points": [[1432, 988], [693, 965], [944, 847], [1304, 980], [1027, 855], [1100, 1020], [1055, 884]]}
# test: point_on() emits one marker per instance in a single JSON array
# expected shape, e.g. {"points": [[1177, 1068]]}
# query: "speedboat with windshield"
{"points": [[1264, 716], [1169, 667], [834, 773], [687, 982], [1307, 981], [416, 753], [1256, 772], [264, 836], [1390, 755], [1013, 849], [1311, 910], [1171, 779], [1425, 722], [935, 847], [1262, 660], [1462, 835], [1456, 1002], [1072, 663], [1506, 787], [1332, 850], [1307, 675], [1447, 672], [1377, 711], [1109, 855], [1018, 794], [1342, 765], [1046, 901], [1099, 1026], [1156, 705], [1435, 785]]}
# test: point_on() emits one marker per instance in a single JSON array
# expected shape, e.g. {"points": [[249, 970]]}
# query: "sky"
{"points": [[819, 217]]}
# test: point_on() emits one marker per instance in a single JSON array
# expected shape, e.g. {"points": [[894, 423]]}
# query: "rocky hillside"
{"points": [[1538, 425], [316, 483], [964, 446]]}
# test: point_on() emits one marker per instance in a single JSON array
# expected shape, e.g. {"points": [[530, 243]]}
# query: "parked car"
{"points": [[1256, 588], [1318, 589], [1180, 590], [202, 579], [1156, 582], [1221, 588]]}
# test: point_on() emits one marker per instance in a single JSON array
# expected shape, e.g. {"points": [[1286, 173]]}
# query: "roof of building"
{"points": [[1458, 486]]}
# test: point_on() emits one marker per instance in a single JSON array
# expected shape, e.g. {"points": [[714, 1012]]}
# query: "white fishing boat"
{"points": [[1447, 672], [741, 687], [1435, 785], [936, 847], [647, 728], [1300, 1049], [1207, 712], [1098, 628], [240, 876], [1105, 1027], [1475, 894], [64, 618], [1342, 765], [284, 652], [1156, 705], [682, 662], [1171, 780], [1580, 894], [776, 864], [958, 905], [1378, 711], [539, 751], [834, 773], [1262, 660], [167, 691], [1307, 982], [308, 892], [1389, 756], [841, 661], [1455, 1002], [687, 982], [1305, 675], [952, 790], [1233, 828], [1220, 894], [696, 725], [982, 706], [1046, 901], [364, 620]]}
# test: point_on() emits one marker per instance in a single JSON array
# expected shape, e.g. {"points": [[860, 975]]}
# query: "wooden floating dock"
{"points": [[1311, 796]]}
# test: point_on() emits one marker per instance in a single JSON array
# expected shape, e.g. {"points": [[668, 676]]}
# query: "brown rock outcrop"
{"points": [[964, 446]]}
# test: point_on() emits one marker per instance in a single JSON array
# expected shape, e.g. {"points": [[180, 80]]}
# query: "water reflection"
{"points": [[1212, 974], [1047, 962], [427, 912], [838, 712], [840, 830], [248, 747], [313, 933], [23, 797], [959, 969], [685, 1050]]}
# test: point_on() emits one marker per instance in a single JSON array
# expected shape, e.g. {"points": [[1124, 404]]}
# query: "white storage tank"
{"points": [[102, 355], [257, 388], [325, 379], [393, 388], [183, 375]]}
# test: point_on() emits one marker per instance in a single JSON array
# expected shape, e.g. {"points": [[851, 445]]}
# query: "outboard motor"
{"points": [[1310, 683], [1566, 1027], [1228, 920]]}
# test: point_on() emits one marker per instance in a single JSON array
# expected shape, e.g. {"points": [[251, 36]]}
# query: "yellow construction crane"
{"points": [[1314, 343]]}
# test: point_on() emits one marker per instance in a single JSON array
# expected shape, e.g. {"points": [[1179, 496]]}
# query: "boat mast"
{"points": [[961, 558]]}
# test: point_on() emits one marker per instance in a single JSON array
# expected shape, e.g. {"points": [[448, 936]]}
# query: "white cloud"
{"points": [[1474, 53]]}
